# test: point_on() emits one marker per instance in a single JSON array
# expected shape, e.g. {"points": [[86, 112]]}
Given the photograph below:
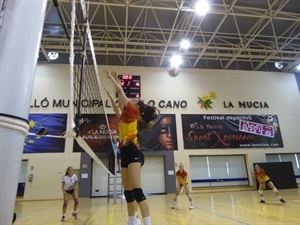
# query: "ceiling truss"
{"points": [[233, 35]]}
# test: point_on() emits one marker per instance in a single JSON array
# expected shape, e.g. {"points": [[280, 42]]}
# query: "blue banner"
{"points": [[54, 124]]}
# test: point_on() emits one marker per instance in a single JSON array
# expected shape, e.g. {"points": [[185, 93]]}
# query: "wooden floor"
{"points": [[214, 207]]}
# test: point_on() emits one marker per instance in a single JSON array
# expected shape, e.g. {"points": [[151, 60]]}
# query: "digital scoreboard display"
{"points": [[131, 85]]}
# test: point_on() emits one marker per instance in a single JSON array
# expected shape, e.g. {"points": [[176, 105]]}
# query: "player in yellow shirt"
{"points": [[134, 116], [264, 180], [181, 177]]}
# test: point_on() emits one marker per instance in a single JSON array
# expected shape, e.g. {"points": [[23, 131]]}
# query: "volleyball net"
{"points": [[88, 118]]}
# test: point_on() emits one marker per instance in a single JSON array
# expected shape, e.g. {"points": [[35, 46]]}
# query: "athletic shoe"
{"points": [[75, 215], [173, 205], [136, 222], [191, 207], [282, 200], [63, 219], [262, 201]]}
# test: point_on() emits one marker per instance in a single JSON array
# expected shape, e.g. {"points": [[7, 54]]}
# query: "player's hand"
{"points": [[107, 73], [114, 74], [111, 75]]}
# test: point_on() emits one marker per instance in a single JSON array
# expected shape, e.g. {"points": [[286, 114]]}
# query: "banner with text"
{"points": [[161, 137], [97, 136], [231, 131]]}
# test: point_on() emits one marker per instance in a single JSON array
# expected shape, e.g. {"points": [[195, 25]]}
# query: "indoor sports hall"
{"points": [[223, 146]]}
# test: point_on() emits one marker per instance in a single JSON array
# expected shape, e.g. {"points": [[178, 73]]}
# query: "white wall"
{"points": [[47, 173], [279, 90], [153, 178]]}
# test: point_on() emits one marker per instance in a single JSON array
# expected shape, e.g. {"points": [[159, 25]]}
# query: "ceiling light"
{"points": [[185, 44], [279, 65], [53, 55], [202, 7], [298, 67], [175, 61]]}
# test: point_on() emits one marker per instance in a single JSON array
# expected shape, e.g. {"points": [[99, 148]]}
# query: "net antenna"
{"points": [[86, 96]]}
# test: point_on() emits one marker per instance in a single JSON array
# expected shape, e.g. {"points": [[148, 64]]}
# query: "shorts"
{"points": [[70, 191], [118, 155], [130, 154]]}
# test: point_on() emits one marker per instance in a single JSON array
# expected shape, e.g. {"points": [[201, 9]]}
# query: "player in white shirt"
{"points": [[69, 182]]}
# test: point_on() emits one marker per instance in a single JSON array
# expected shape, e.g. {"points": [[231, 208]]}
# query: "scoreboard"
{"points": [[131, 85]]}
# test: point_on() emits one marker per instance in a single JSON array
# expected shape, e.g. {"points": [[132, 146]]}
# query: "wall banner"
{"points": [[231, 131], [54, 125], [161, 137], [95, 132]]}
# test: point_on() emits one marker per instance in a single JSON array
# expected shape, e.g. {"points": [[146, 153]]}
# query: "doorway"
{"points": [[22, 178]]}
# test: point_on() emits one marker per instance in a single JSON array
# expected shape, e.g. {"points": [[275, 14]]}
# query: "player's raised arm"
{"points": [[114, 105], [113, 77]]}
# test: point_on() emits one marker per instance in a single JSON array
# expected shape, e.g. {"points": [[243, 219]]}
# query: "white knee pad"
{"points": [[275, 190], [260, 192]]}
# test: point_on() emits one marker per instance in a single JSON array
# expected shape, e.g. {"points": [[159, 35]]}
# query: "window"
{"points": [[212, 171]]}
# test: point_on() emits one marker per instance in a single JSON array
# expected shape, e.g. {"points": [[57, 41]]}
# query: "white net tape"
{"points": [[71, 59]]}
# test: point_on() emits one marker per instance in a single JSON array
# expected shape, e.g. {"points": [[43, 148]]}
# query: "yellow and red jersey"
{"points": [[128, 124], [182, 177], [261, 176]]}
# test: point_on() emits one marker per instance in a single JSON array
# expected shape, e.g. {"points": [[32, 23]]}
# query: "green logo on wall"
{"points": [[206, 101]]}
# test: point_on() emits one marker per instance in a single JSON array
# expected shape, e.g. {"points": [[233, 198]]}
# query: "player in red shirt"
{"points": [[118, 114], [181, 177], [135, 115], [264, 180]]}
